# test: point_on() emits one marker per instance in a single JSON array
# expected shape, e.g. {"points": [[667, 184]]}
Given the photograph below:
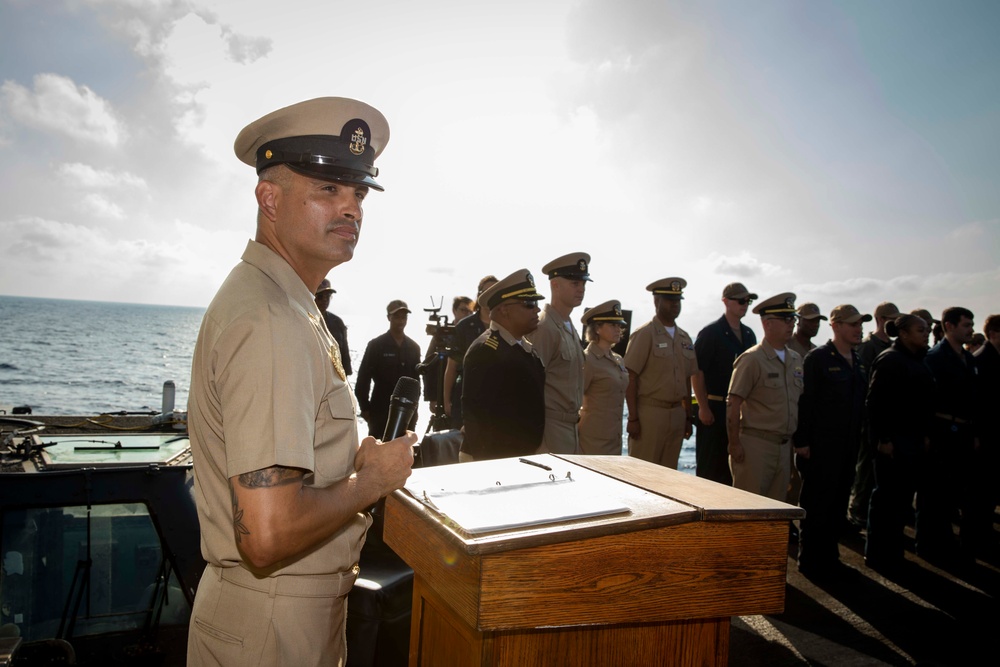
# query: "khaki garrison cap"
{"points": [[609, 311], [809, 311], [574, 266], [737, 291], [671, 288], [518, 285], [780, 305], [849, 314], [332, 138], [887, 309]]}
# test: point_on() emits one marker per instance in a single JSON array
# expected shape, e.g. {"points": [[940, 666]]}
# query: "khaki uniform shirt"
{"points": [[663, 363], [558, 346], [268, 388], [605, 380], [798, 347], [769, 388]]}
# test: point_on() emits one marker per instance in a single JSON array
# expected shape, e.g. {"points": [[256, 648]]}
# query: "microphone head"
{"points": [[407, 389]]}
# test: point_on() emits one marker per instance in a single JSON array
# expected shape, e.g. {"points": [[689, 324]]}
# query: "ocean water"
{"points": [[85, 357], [88, 358]]}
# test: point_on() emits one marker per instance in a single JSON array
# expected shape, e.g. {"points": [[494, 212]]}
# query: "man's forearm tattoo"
{"points": [[259, 479], [238, 526]]}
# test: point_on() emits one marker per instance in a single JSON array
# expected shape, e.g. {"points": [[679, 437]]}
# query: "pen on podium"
{"points": [[535, 463]]}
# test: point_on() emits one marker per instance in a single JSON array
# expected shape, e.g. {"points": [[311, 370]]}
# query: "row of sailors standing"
{"points": [[764, 410], [527, 385]]}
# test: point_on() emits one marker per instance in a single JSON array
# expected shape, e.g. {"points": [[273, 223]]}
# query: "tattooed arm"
{"points": [[275, 517]]}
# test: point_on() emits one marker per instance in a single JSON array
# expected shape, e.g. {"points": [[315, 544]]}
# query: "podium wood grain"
{"points": [[656, 586]]}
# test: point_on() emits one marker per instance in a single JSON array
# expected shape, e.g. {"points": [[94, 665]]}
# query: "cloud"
{"points": [[57, 104], [973, 232], [50, 258], [908, 291], [101, 207], [89, 177], [743, 266], [866, 286], [244, 49]]}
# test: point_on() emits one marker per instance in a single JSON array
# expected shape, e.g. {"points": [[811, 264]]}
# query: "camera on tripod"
{"points": [[432, 369], [439, 327]]}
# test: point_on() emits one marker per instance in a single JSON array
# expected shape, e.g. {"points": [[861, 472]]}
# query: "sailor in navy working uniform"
{"points": [[387, 358], [717, 347], [503, 386], [954, 446], [831, 409]]}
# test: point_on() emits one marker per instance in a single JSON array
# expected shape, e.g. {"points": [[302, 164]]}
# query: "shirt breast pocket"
{"points": [[336, 438], [773, 382]]}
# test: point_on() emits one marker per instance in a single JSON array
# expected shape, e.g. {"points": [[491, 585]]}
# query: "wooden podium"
{"points": [[656, 585]]}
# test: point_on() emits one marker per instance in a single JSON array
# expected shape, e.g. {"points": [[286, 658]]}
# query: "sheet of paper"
{"points": [[495, 495]]}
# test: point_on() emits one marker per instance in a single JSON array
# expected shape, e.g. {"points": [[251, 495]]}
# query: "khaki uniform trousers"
{"points": [[765, 468], [662, 435], [239, 619], [560, 436]]}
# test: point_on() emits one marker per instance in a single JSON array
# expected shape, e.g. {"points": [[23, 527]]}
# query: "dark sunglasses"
{"points": [[529, 303], [743, 302]]}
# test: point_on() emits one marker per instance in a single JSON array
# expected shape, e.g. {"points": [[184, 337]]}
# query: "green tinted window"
{"points": [[68, 574]]}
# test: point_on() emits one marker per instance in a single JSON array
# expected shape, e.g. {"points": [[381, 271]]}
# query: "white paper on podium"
{"points": [[487, 496]]}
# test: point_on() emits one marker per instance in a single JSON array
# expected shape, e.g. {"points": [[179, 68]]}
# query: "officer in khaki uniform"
{"points": [[557, 344], [763, 405], [661, 360], [605, 380], [281, 481]]}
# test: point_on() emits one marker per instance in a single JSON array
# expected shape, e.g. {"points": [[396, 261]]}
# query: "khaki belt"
{"points": [[303, 586], [565, 417], [657, 403], [957, 420], [766, 435], [713, 397]]}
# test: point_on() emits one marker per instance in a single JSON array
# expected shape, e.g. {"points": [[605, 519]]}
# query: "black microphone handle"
{"points": [[400, 414]]}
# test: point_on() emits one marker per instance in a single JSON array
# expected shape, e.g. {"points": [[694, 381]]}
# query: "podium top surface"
{"points": [[491, 506]]}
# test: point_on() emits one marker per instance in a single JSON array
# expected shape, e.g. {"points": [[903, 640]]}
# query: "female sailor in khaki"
{"points": [[605, 379]]}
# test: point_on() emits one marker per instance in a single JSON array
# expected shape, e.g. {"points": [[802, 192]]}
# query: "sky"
{"points": [[844, 151]]}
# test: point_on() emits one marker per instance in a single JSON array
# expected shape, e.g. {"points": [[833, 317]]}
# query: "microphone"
{"points": [[402, 407]]}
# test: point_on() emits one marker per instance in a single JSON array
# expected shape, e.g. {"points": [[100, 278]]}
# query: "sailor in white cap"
{"points": [[661, 361], [281, 481], [557, 344], [763, 408]]}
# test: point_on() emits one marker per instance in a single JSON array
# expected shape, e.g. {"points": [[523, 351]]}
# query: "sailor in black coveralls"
{"points": [[717, 347], [948, 482], [831, 409], [503, 386]]}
